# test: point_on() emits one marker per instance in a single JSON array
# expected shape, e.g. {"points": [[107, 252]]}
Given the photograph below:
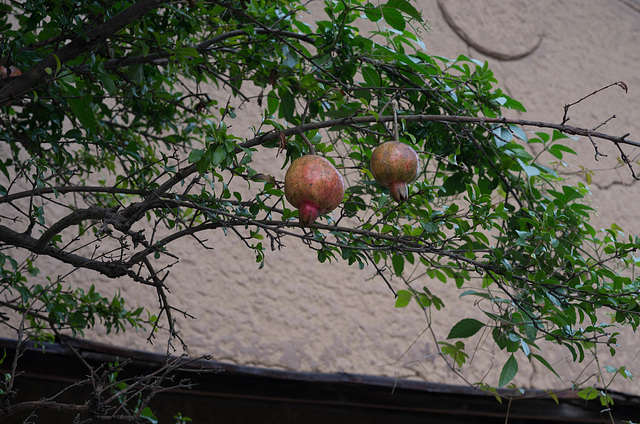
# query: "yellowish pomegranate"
{"points": [[394, 165]]}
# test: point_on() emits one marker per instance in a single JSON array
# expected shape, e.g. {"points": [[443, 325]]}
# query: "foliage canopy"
{"points": [[119, 139]]}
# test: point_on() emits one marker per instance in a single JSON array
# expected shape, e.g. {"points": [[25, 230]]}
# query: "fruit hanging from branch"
{"points": [[314, 186], [394, 165]]}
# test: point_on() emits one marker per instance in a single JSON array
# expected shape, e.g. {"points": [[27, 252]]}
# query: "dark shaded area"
{"points": [[238, 394]]}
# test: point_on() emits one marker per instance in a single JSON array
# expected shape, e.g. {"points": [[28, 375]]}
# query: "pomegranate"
{"points": [[314, 186], [394, 165], [12, 71]]}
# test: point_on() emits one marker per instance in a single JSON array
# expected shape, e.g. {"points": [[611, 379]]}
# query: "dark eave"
{"points": [[316, 397]]}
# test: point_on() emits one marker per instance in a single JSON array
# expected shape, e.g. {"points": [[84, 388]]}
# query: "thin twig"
{"points": [[620, 84]]}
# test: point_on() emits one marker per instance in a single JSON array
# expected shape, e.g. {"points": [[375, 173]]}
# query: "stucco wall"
{"points": [[297, 314]]}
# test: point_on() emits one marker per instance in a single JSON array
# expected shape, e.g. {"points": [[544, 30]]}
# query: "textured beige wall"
{"points": [[296, 314]]}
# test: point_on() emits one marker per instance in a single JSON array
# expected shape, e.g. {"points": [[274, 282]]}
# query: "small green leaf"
{"points": [[558, 149], [108, 82], [403, 298], [518, 132], [73, 133], [83, 112], [525, 347], [509, 370], [502, 136], [475, 293], [406, 7], [456, 352], [554, 397], [290, 59], [195, 155], [514, 104], [398, 264], [58, 64], [187, 52], [394, 18], [287, 105], [465, 328], [272, 102], [371, 76], [531, 171], [490, 389], [219, 155], [373, 12], [147, 414], [588, 393]]}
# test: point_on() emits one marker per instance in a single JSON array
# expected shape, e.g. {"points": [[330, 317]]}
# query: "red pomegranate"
{"points": [[314, 186], [394, 165]]}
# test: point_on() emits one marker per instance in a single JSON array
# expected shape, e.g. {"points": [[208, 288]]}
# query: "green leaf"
{"points": [[589, 393], [403, 298], [398, 264], [58, 64], [73, 133], [553, 396], [454, 184], [518, 132], [558, 149], [83, 112], [514, 104], [406, 7], [531, 171], [290, 59], [456, 352], [373, 12], [371, 76], [148, 415], [465, 328], [557, 135], [187, 52], [490, 389], [287, 105], [195, 155], [5, 171], [394, 18], [219, 155], [272, 102], [502, 136], [107, 82], [475, 293], [509, 370]]}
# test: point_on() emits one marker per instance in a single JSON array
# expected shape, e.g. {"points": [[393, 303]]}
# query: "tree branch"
{"points": [[355, 120], [160, 58], [24, 241], [71, 189], [74, 218], [42, 405]]}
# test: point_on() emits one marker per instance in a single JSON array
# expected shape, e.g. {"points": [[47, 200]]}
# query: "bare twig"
{"points": [[620, 84]]}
